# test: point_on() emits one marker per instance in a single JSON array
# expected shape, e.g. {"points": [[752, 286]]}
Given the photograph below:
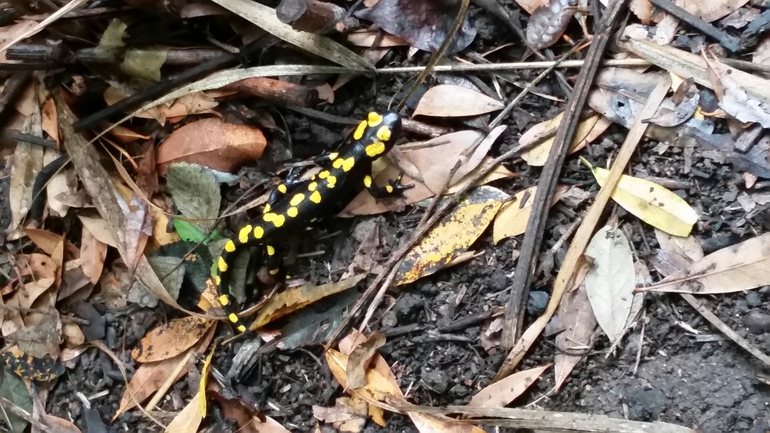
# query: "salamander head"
{"points": [[379, 132]]}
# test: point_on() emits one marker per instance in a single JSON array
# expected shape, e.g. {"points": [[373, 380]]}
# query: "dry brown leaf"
{"points": [[710, 10], [367, 38], [359, 359], [642, 9], [529, 5], [430, 423], [447, 100], [49, 241], [189, 419], [687, 247], [347, 415], [100, 228], [589, 129], [59, 425], [172, 339], [146, 380], [503, 392], [735, 100], [513, 217], [194, 103], [579, 322], [293, 299], [94, 253], [736, 268], [452, 235], [213, 143]]}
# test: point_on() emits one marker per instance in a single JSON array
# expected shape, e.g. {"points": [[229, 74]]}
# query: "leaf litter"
{"points": [[199, 130]]}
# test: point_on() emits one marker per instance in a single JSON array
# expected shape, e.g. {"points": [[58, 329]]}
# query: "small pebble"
{"points": [[537, 302], [435, 380], [753, 299], [757, 322]]}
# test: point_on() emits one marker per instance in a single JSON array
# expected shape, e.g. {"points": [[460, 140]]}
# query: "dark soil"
{"points": [[712, 385]]}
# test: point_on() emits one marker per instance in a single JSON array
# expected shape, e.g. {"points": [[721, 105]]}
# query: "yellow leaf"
{"points": [[513, 217], [453, 235], [650, 202], [430, 423], [588, 130]]}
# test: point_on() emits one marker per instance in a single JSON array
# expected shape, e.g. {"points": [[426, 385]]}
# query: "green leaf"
{"points": [[13, 389], [196, 193]]}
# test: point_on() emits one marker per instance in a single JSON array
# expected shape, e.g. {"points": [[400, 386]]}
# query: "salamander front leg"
{"points": [[394, 188]]}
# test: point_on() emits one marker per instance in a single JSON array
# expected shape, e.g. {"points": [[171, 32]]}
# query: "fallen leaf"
{"points": [[424, 24], [367, 38], [610, 281], [513, 217], [503, 392], [172, 339], [429, 423], [347, 415], [193, 103], [147, 379], [196, 194], [213, 143], [589, 129], [94, 253], [452, 235], [687, 247], [448, 100], [13, 389], [650, 202], [59, 425], [736, 268], [579, 322], [359, 359], [293, 299], [735, 101], [189, 419], [100, 228], [49, 241], [711, 10]]}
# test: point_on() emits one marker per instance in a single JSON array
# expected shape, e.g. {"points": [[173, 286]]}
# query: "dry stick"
{"points": [[390, 266], [530, 247], [714, 320], [584, 232]]}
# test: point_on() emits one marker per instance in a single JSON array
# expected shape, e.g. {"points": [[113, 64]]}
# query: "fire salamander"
{"points": [[295, 203]]}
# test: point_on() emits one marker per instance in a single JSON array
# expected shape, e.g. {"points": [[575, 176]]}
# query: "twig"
{"points": [[530, 247], [725, 39]]}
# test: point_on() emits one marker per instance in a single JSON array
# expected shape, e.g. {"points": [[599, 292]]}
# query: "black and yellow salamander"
{"points": [[295, 203]]}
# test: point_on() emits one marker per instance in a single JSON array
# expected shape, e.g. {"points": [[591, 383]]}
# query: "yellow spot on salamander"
{"points": [[331, 181], [233, 318], [217, 280], [274, 218], [315, 197], [224, 300], [374, 119], [267, 208], [274, 271], [384, 133], [333, 156], [375, 149], [282, 188], [258, 232], [368, 181], [230, 246], [359, 132], [243, 234], [270, 250], [389, 189], [346, 164], [241, 329], [297, 199], [292, 212], [323, 174], [312, 186], [222, 265]]}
